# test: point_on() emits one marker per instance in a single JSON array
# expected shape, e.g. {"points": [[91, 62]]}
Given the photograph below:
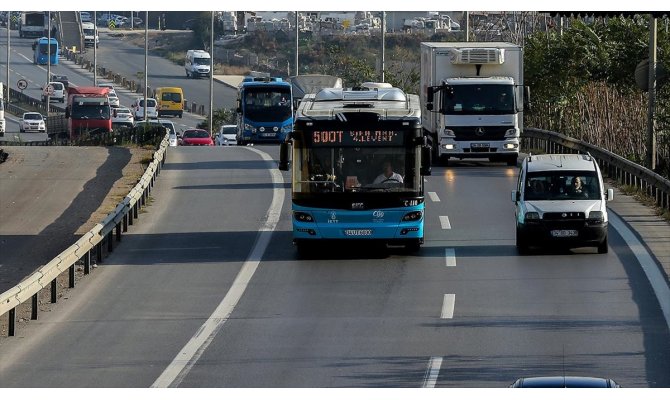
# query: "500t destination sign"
{"points": [[357, 138]]}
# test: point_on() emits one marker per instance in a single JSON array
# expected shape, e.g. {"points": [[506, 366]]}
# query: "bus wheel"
{"points": [[413, 246]]}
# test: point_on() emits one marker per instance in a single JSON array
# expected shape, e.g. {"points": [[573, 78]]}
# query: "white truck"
{"points": [[311, 84], [90, 33], [2, 109], [472, 99], [33, 24]]}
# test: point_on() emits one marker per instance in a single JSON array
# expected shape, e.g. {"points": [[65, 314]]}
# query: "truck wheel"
{"points": [[602, 247], [444, 160]]}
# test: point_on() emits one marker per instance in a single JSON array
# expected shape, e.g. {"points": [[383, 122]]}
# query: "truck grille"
{"points": [[480, 132]]}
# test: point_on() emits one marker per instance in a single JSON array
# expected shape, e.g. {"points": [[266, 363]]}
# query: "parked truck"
{"points": [[2, 108], [472, 99], [33, 24]]}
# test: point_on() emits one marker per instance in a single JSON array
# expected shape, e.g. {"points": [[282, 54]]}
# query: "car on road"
{"points": [[560, 200], [113, 99], [121, 116], [138, 108], [32, 122], [57, 94], [62, 79], [196, 137], [227, 136], [564, 382]]}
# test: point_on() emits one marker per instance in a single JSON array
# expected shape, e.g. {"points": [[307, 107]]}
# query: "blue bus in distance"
{"points": [[42, 50], [265, 110]]}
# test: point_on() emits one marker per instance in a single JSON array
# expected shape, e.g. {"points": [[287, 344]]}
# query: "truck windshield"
{"points": [[365, 169], [90, 111], [479, 99], [267, 104]]}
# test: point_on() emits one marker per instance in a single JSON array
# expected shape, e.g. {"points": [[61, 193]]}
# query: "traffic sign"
{"points": [[111, 24], [22, 84], [49, 90]]}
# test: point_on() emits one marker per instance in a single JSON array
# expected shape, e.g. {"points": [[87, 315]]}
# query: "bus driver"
{"points": [[388, 176]]}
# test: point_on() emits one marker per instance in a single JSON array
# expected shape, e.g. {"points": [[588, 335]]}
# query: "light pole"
{"points": [[146, 62], [9, 31], [211, 78], [383, 44], [95, 49], [297, 32], [46, 90]]}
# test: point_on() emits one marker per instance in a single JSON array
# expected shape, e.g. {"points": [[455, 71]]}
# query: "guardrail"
{"points": [[103, 232], [616, 167]]}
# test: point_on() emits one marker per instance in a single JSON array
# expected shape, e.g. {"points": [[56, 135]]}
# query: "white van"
{"points": [[90, 34], [561, 200], [138, 109], [197, 63]]}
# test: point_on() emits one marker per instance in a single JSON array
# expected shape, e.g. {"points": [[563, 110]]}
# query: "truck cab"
{"points": [[473, 99]]}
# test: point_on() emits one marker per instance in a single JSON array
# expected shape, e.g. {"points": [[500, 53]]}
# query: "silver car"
{"points": [[227, 136]]}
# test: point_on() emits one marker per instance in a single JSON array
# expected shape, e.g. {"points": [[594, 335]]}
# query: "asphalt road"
{"points": [[194, 296]]}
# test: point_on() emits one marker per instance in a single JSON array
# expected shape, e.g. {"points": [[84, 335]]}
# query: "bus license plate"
{"points": [[271, 134], [561, 233], [358, 232]]}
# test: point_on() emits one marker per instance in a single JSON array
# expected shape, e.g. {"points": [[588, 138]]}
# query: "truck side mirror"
{"points": [[430, 94], [516, 196], [284, 153]]}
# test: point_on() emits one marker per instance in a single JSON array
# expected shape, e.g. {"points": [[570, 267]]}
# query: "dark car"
{"points": [[62, 79], [564, 382]]}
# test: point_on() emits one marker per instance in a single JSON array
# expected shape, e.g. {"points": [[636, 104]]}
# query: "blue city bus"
{"points": [[341, 150], [265, 110], [41, 51]]}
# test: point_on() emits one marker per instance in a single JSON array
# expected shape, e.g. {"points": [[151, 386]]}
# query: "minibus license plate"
{"points": [[561, 233]]}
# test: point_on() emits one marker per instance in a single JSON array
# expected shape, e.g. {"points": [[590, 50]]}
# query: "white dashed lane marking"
{"points": [[448, 306], [444, 221], [433, 196], [450, 257]]}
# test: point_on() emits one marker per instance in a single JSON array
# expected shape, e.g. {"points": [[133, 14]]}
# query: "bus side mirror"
{"points": [[430, 94], [426, 158], [284, 152]]}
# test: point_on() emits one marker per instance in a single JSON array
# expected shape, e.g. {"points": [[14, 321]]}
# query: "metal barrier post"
{"points": [[33, 311], [71, 276], [12, 322], [125, 222], [110, 242], [87, 263], [54, 287], [118, 232]]}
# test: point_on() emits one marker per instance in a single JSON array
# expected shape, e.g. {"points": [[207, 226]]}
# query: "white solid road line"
{"points": [[444, 221], [448, 306], [450, 257], [649, 266], [433, 196], [186, 358], [430, 379]]}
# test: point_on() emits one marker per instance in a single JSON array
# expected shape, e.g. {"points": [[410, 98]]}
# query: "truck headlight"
{"points": [[511, 133], [449, 133], [250, 128]]}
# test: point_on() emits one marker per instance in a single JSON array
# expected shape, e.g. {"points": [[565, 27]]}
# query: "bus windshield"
{"points": [[361, 169], [267, 104], [44, 49], [490, 99]]}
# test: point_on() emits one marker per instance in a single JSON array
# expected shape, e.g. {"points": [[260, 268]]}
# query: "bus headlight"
{"points": [[302, 216], [412, 216], [250, 128], [286, 129]]}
